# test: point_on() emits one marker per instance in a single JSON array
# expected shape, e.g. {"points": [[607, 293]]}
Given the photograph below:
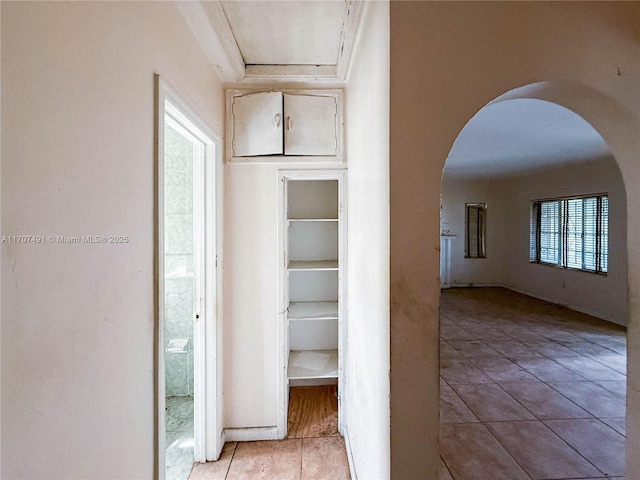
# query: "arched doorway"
{"points": [[532, 144]]}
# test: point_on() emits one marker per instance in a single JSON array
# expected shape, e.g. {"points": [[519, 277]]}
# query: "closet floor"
{"points": [[313, 450], [313, 412]]}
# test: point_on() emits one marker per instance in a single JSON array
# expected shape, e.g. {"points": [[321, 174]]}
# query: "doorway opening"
{"points": [[188, 413], [537, 355]]}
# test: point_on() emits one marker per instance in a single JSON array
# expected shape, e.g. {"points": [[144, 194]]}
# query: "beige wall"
{"points": [[78, 159], [448, 59], [367, 361]]}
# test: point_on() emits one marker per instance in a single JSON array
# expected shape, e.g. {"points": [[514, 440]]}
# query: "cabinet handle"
{"points": [[277, 119], [288, 123]]}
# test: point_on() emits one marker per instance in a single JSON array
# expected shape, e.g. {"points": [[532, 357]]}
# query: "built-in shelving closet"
{"points": [[302, 131], [312, 284]]}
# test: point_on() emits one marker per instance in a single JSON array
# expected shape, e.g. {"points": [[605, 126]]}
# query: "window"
{"points": [[475, 221], [571, 232]]}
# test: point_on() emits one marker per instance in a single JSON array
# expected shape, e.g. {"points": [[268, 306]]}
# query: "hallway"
{"points": [[529, 390]]}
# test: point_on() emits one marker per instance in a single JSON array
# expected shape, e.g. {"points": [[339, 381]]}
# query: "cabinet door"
{"points": [[310, 125], [257, 124]]}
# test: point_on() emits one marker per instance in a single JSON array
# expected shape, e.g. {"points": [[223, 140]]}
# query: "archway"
{"points": [[615, 128]]}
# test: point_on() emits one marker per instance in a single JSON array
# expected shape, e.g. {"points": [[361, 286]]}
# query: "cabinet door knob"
{"points": [[288, 123], [278, 117]]}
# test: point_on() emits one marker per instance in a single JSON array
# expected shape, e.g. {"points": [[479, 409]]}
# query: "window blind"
{"points": [[570, 232]]}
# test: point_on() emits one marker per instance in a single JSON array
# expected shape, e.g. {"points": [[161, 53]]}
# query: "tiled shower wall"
{"points": [[178, 250]]}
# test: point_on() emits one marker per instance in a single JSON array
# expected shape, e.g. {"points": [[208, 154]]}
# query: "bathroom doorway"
{"points": [[188, 311]]}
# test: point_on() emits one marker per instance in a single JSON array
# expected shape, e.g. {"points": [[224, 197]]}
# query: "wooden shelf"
{"points": [[313, 311], [310, 364], [314, 265], [313, 219]]}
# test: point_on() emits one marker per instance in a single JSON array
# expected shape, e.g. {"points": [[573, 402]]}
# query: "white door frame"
{"points": [[207, 338]]}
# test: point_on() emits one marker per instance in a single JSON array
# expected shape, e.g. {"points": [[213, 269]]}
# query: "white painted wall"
{"points": [[367, 369], [455, 193], [508, 202], [251, 295], [78, 159], [438, 82]]}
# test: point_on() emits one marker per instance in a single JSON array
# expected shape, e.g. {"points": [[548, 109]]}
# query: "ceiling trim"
{"points": [[289, 72], [352, 21], [211, 29]]}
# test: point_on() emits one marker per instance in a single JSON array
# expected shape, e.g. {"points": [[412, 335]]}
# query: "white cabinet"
{"points": [[285, 126], [257, 123], [313, 269], [310, 125]]}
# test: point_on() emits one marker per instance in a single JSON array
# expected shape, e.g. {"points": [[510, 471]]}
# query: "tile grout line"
{"points": [[548, 356], [233, 454], [301, 450]]}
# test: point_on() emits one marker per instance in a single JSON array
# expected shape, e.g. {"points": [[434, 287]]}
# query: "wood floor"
{"points": [[313, 412]]}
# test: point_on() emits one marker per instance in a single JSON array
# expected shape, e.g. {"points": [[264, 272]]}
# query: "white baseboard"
{"points": [[251, 434]]}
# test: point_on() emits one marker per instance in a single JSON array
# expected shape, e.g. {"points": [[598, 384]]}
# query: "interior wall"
{"points": [[78, 319], [456, 192], [439, 80], [250, 380], [604, 296], [367, 369]]}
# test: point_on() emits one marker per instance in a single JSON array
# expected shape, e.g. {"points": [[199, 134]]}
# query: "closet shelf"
{"points": [[313, 265], [308, 364], [291, 220], [313, 311]]}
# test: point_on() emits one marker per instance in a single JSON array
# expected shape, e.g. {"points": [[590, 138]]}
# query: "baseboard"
{"points": [[542, 297], [347, 444], [473, 285], [251, 434], [567, 305]]}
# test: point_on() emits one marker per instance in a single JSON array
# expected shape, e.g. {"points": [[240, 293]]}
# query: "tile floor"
{"points": [[529, 390], [179, 437], [316, 453]]}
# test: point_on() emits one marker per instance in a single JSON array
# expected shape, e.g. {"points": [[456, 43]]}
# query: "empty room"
{"points": [[533, 310]]}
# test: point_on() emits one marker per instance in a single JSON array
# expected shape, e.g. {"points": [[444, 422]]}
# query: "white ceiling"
{"points": [[515, 137], [287, 32]]}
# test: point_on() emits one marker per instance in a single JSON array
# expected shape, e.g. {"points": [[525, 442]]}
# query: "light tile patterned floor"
{"points": [[320, 458], [179, 437], [529, 390]]}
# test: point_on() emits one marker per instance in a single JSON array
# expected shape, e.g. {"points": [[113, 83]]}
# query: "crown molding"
{"points": [[350, 27], [210, 26]]}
